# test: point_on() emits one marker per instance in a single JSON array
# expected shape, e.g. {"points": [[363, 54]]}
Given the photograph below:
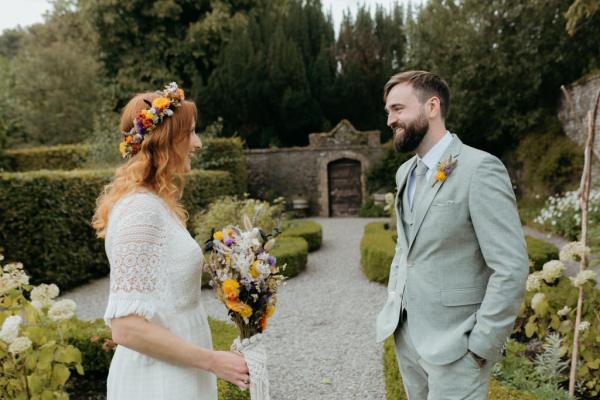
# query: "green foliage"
{"points": [[58, 78], [545, 320], [224, 154], [395, 389], [45, 219], [548, 162], [62, 157], [231, 210], [522, 368], [381, 176], [377, 249], [519, 46], [540, 252], [40, 367], [310, 231], [370, 209], [291, 251]]}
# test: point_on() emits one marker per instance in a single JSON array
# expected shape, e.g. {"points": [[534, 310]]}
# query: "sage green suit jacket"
{"points": [[461, 275]]}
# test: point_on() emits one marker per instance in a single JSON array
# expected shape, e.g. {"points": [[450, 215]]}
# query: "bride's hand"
{"points": [[231, 367]]}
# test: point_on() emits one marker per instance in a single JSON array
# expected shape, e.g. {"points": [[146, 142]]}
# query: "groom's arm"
{"points": [[496, 222]]}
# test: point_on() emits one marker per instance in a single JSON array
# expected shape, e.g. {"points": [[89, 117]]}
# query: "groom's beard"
{"points": [[414, 132]]}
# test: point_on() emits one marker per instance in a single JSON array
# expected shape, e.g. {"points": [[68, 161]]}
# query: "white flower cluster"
{"points": [[537, 299], [563, 312], [389, 201], [552, 270], [583, 326], [20, 345], [62, 310], [12, 277], [584, 277], [44, 295], [557, 205], [534, 282], [10, 329], [574, 251]]}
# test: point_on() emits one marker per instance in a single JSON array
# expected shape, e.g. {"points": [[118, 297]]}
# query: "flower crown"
{"points": [[145, 122]]}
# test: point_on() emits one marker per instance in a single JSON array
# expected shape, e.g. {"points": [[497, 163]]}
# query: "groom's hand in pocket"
{"points": [[231, 367]]}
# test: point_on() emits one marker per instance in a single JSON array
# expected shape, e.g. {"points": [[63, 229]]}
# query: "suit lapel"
{"points": [[401, 183], [430, 190]]}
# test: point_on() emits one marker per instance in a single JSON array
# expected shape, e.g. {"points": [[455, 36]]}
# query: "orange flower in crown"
{"points": [[161, 107]]}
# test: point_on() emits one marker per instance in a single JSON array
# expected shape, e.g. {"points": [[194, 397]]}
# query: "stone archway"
{"points": [[343, 164]]}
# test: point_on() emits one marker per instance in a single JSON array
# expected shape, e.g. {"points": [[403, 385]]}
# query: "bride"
{"points": [[154, 307]]}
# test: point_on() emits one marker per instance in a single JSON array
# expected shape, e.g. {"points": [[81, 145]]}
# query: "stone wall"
{"points": [[573, 115], [302, 171]]}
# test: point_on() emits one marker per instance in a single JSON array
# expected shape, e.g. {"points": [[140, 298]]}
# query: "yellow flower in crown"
{"points": [[161, 102], [123, 148], [241, 308], [231, 289]]}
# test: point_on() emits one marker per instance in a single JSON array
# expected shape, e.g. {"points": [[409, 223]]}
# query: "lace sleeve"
{"points": [[135, 252]]}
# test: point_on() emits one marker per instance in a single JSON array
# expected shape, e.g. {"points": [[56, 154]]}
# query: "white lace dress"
{"points": [[155, 272]]}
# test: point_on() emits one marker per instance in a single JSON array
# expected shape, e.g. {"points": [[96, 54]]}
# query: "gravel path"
{"points": [[321, 340]]}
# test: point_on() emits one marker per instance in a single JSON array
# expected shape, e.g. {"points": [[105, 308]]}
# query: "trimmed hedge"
{"points": [[45, 220], [540, 252], [65, 157], [395, 389], [292, 251], [310, 231], [93, 339], [224, 154], [377, 249]]}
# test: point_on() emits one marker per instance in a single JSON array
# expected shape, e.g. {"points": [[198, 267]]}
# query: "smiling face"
{"points": [[406, 117], [195, 145]]}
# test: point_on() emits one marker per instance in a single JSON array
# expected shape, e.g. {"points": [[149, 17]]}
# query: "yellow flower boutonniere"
{"points": [[444, 169]]}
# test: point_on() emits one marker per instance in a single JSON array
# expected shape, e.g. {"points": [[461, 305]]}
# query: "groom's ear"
{"points": [[433, 107]]}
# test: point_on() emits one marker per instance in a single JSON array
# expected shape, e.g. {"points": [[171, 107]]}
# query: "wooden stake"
{"points": [[584, 197]]}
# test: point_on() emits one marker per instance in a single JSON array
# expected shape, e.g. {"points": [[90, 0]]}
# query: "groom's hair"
{"points": [[426, 86]]}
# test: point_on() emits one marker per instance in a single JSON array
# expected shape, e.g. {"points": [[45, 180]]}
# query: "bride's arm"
{"points": [[138, 334]]}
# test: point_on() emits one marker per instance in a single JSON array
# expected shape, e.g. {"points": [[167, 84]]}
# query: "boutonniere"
{"points": [[444, 169]]}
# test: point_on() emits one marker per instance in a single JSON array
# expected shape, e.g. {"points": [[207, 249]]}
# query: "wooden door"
{"points": [[345, 190]]}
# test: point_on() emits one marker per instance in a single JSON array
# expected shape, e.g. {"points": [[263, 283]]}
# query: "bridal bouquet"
{"points": [[246, 277]]}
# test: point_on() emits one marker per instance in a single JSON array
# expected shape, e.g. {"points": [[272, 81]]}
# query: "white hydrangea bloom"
{"points": [[62, 310], [537, 299], [552, 270], [534, 281], [43, 295], [563, 312], [583, 326], [10, 329], [574, 251], [584, 277], [19, 345]]}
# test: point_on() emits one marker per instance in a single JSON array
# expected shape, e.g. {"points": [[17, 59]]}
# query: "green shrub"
{"points": [[395, 389], [224, 154], [377, 249], [562, 296], [371, 210], [63, 157], [230, 211], [45, 219], [381, 176], [292, 251], [310, 231], [548, 161], [540, 252]]}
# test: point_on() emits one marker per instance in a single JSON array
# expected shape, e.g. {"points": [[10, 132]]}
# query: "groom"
{"points": [[458, 276]]}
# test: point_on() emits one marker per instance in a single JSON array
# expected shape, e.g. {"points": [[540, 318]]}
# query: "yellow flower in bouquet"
{"points": [[231, 289], [241, 308]]}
